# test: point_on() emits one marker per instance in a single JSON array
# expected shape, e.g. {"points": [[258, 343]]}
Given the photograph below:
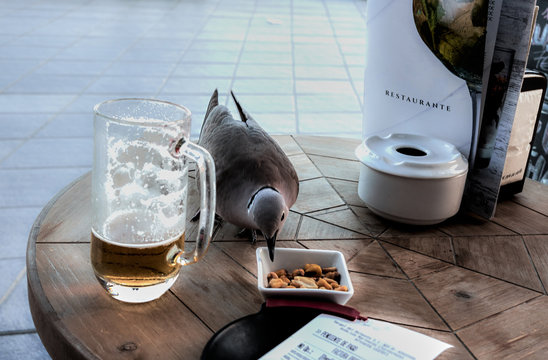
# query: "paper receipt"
{"points": [[329, 337]]}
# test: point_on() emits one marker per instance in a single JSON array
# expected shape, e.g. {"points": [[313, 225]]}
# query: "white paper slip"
{"points": [[329, 337]]}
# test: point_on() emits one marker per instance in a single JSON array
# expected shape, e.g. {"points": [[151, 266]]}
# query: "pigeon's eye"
{"points": [[283, 217]]}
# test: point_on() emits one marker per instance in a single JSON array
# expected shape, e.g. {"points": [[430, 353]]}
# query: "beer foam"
{"points": [[145, 190]]}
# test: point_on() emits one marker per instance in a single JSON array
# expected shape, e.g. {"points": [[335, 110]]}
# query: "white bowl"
{"points": [[291, 259]]}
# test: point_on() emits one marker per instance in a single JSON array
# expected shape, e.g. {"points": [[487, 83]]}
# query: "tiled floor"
{"points": [[297, 65]]}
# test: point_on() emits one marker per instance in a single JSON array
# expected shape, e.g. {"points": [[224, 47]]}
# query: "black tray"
{"points": [[254, 335]]}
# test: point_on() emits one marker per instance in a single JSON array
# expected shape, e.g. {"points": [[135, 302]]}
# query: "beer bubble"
{"points": [[145, 191], [122, 175]]}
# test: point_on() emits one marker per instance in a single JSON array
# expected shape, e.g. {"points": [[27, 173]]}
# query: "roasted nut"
{"points": [[277, 283], [313, 270], [322, 283], [281, 272], [271, 275], [333, 275], [311, 276], [297, 272], [304, 282]]}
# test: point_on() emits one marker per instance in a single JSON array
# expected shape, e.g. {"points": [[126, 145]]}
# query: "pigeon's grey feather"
{"points": [[256, 182], [213, 102], [243, 114]]}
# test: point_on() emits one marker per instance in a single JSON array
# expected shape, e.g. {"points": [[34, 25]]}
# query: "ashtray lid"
{"points": [[412, 156]]}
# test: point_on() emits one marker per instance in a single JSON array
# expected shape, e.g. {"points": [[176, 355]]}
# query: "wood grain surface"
{"points": [[478, 285]]}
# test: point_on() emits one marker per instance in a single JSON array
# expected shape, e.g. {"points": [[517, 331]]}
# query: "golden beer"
{"points": [[136, 266]]}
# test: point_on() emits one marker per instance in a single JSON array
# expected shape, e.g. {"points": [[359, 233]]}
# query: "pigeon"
{"points": [[256, 182]]}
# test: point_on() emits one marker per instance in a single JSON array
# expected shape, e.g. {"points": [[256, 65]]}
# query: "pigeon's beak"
{"points": [[271, 243]]}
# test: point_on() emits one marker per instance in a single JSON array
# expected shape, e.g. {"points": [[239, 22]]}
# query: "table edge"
{"points": [[56, 338]]}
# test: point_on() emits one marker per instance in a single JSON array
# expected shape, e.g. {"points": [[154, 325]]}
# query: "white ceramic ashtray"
{"points": [[411, 178], [291, 259]]}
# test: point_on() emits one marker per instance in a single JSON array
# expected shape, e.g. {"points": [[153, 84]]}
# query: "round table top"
{"points": [[477, 285]]}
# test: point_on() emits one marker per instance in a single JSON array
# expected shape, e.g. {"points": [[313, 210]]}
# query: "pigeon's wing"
{"points": [[235, 171], [244, 116], [265, 153], [282, 175], [256, 161], [219, 118]]}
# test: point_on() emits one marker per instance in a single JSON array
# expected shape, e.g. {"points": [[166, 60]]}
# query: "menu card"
{"points": [[329, 337], [425, 74]]}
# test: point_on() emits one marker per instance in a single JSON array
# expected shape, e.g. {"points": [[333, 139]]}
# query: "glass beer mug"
{"points": [[139, 197]]}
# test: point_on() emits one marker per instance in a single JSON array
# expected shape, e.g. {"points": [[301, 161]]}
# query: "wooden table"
{"points": [[480, 286]]}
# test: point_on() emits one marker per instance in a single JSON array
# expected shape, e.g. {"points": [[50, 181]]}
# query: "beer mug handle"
{"points": [[206, 169]]}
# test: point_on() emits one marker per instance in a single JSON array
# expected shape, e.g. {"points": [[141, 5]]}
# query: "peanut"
{"points": [[324, 284], [311, 276], [313, 270], [281, 272], [333, 275], [271, 275], [297, 272], [304, 282], [277, 283]]}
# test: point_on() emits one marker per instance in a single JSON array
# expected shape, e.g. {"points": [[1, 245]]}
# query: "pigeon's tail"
{"points": [[243, 114], [213, 102]]}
